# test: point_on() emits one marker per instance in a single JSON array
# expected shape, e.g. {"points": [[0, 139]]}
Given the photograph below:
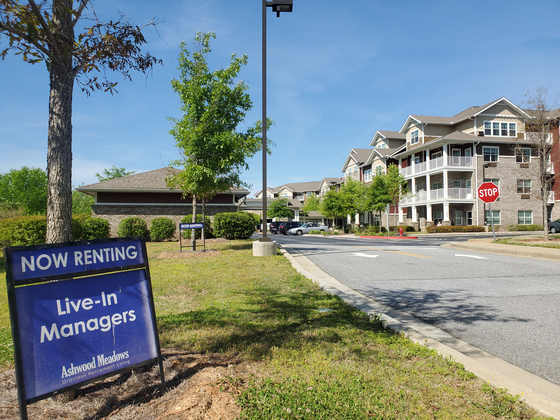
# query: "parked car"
{"points": [[286, 226], [554, 227], [274, 227], [306, 228]]}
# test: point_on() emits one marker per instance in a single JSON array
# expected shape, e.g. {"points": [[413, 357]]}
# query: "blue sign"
{"points": [[74, 331], [183, 226], [47, 262]]}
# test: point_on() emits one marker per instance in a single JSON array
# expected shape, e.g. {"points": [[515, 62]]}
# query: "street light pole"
{"points": [[264, 148]]}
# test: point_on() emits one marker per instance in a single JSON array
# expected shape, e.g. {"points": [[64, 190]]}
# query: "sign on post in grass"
{"points": [[191, 226], [70, 331]]}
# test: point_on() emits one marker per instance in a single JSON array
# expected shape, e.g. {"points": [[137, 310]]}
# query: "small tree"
{"points": [[279, 208], [214, 103], [332, 205], [353, 197], [312, 203], [82, 203], [544, 145], [377, 195], [113, 173], [396, 185], [45, 32]]}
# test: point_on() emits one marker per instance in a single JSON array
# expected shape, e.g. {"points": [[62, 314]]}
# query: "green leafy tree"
{"points": [[353, 197], [45, 32], [82, 203], [377, 195], [214, 103], [397, 186], [332, 205], [24, 188], [312, 203], [113, 173], [279, 209]]}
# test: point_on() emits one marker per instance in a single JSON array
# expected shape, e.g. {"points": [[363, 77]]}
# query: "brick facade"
{"points": [[115, 213]]}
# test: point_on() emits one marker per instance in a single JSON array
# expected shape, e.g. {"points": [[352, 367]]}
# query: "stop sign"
{"points": [[488, 192]]}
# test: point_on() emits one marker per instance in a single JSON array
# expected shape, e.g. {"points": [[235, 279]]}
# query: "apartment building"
{"points": [[447, 158]]}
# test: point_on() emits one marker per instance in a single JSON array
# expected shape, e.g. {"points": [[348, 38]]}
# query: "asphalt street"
{"points": [[506, 306]]}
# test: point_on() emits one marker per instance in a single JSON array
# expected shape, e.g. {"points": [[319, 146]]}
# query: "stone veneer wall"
{"points": [[114, 214]]}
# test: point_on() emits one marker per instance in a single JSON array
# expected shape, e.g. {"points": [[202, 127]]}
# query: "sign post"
{"points": [[80, 312], [192, 226], [488, 192]]}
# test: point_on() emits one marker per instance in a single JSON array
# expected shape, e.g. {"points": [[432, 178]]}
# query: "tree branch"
{"points": [[78, 14], [37, 13]]}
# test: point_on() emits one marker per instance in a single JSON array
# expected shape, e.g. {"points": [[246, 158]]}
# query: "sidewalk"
{"points": [[540, 394]]}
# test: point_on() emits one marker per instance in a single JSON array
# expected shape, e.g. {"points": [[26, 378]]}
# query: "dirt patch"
{"points": [[187, 254], [198, 387]]}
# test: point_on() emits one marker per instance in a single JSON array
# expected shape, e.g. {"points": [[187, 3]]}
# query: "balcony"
{"points": [[438, 164], [434, 196]]}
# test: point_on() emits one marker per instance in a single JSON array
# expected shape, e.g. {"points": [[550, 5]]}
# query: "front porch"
{"points": [[437, 214]]}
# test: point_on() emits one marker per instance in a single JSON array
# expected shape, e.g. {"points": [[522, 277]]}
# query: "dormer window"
{"points": [[414, 137]]}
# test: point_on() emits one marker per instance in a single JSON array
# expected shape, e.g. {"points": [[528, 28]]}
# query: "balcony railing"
{"points": [[452, 161], [439, 195]]}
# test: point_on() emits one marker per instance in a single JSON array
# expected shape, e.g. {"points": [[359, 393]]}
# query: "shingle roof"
{"points": [[299, 186], [144, 181], [360, 155], [392, 134]]}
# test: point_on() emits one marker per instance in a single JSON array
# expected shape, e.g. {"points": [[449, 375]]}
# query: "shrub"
{"points": [[450, 229], [133, 226], [96, 228], [162, 228], [525, 228], [208, 230], [234, 225]]}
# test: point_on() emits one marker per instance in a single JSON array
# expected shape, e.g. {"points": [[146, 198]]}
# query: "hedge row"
{"points": [[32, 230], [451, 229], [524, 228]]}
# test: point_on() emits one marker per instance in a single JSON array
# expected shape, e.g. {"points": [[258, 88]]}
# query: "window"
{"points": [[495, 217], [437, 186], [500, 129], [379, 170], [367, 175], [524, 217], [438, 216], [414, 137], [436, 155], [417, 159], [468, 152], [522, 154], [458, 217], [523, 186], [457, 184], [309, 193], [490, 153], [494, 181]]}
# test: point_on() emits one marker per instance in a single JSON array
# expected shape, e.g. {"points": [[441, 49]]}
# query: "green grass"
{"points": [[531, 240], [307, 353]]}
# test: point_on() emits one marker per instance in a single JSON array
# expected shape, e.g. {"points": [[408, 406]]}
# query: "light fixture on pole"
{"points": [[278, 6]]}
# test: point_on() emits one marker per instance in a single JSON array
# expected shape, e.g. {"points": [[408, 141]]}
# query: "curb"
{"points": [[389, 237], [538, 393], [548, 254]]}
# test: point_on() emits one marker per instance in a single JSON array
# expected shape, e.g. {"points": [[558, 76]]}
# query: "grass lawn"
{"points": [[311, 355], [532, 240]]}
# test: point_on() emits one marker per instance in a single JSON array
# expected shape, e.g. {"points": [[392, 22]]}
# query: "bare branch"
{"points": [[78, 13], [37, 13]]}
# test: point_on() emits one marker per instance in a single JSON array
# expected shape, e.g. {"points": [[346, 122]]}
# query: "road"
{"points": [[506, 306]]}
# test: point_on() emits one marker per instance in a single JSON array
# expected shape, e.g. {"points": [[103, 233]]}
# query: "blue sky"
{"points": [[337, 73]]}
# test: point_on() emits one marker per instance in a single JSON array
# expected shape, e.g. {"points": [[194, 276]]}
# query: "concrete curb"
{"points": [[486, 246], [540, 394]]}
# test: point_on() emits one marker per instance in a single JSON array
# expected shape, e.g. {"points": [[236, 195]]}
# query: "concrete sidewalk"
{"points": [[540, 394]]}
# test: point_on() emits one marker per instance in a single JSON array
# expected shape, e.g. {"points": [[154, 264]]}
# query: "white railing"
{"points": [[439, 195], [452, 161]]}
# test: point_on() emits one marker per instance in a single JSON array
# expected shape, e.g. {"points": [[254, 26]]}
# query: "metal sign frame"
{"points": [[192, 226], [37, 275]]}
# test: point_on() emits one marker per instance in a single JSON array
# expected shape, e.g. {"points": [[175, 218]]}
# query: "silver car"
{"points": [[306, 228]]}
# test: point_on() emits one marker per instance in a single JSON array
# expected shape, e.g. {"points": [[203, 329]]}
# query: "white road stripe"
{"points": [[471, 256], [361, 254]]}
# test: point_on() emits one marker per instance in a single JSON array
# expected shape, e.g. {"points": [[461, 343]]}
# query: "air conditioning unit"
{"points": [[480, 134]]}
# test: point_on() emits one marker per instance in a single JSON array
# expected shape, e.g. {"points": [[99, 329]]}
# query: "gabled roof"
{"points": [[386, 134], [357, 155], [151, 181], [296, 187], [473, 111]]}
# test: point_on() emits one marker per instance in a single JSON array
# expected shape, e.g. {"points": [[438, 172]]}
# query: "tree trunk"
{"points": [[193, 231], [59, 154]]}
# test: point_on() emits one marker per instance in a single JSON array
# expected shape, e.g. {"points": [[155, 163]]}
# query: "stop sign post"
{"points": [[488, 192]]}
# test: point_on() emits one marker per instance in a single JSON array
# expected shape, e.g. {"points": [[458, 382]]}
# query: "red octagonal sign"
{"points": [[488, 192]]}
